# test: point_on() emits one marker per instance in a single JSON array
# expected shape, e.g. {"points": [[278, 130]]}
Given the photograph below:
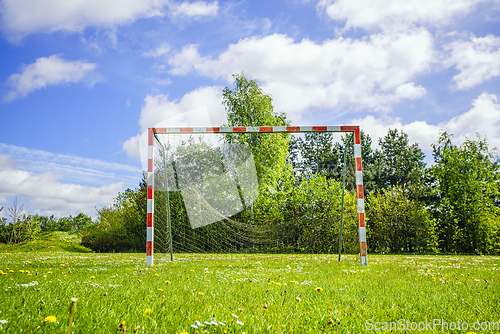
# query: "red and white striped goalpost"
{"points": [[254, 129]]}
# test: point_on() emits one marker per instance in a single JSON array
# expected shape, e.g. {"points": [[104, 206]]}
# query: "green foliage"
{"points": [[65, 224], [25, 228], [401, 163], [121, 226], [469, 184], [306, 216], [454, 206], [398, 223], [247, 105], [320, 154]]}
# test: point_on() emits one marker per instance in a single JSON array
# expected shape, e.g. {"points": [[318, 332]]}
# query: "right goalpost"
{"points": [[205, 181]]}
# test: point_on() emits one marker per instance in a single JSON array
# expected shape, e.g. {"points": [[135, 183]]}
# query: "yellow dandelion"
{"points": [[50, 318], [160, 289], [157, 275], [21, 271], [92, 277], [319, 289], [201, 293], [49, 272], [168, 282]]}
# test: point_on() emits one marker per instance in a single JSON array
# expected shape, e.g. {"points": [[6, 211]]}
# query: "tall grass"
{"points": [[243, 293]]}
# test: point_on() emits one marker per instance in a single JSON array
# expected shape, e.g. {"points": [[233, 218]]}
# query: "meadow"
{"points": [[247, 293]]}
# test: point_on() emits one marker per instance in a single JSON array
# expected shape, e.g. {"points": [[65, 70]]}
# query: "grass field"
{"points": [[118, 293]]}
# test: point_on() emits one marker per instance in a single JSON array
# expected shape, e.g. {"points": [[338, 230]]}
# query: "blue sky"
{"points": [[82, 80]]}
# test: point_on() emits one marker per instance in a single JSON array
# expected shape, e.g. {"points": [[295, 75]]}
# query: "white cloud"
{"points": [[482, 118], [7, 162], [56, 196], [22, 17], [394, 14], [195, 9], [61, 184], [478, 60], [201, 107], [159, 51], [50, 71], [183, 62], [418, 132], [157, 108], [372, 72]]}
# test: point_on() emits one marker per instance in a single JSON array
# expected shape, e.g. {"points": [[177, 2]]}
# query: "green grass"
{"points": [[265, 293], [49, 241]]}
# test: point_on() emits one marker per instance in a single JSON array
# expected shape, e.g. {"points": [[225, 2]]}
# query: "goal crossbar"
{"points": [[256, 129]]}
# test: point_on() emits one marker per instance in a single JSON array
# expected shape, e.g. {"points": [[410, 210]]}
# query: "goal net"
{"points": [[207, 193]]}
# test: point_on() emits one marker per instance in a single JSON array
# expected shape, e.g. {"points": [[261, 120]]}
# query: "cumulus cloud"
{"points": [[478, 60], [201, 107], [482, 118], [391, 14], [373, 72], [50, 71], [23, 17]]}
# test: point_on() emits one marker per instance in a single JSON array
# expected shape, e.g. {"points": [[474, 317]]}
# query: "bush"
{"points": [[398, 223], [22, 230], [120, 227]]}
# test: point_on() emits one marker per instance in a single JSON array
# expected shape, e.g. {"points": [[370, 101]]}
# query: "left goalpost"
{"points": [[154, 132]]}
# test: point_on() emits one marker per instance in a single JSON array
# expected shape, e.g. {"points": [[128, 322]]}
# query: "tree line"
{"points": [[25, 227], [451, 206]]}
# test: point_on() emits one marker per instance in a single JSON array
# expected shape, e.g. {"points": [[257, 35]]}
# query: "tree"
{"points": [[399, 223], [16, 211], [321, 155], [401, 163], [468, 178], [316, 152], [119, 227], [248, 105]]}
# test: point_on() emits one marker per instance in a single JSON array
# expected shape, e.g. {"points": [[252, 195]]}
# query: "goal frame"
{"points": [[256, 129]]}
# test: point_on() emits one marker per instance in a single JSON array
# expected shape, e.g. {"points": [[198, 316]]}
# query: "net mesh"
{"points": [[209, 200]]}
